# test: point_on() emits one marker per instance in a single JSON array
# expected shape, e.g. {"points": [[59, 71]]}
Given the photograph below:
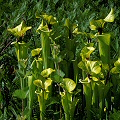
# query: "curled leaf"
{"points": [[82, 65], [69, 84], [47, 83], [47, 72], [43, 28], [94, 66], [96, 24], [20, 30], [38, 83], [110, 17], [48, 18], [36, 51], [117, 63], [86, 52], [116, 69]]}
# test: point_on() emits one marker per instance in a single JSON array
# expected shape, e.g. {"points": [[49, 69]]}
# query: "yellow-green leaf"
{"points": [[86, 52], [94, 67], [85, 81], [82, 66], [110, 17], [20, 30], [38, 83], [49, 18], [94, 79], [117, 63], [116, 69], [47, 72], [69, 84], [43, 28], [36, 51], [95, 24], [47, 83]]}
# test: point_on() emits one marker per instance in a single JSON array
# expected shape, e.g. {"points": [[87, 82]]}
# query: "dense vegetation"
{"points": [[62, 61]]}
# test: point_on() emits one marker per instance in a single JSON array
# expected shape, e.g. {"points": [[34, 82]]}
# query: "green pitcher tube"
{"points": [[104, 47], [31, 94], [45, 43], [21, 50], [88, 96]]}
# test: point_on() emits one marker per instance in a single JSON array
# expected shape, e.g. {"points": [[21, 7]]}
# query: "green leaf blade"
{"points": [[22, 94]]}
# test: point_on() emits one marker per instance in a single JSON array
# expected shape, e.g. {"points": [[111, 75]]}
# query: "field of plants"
{"points": [[60, 60]]}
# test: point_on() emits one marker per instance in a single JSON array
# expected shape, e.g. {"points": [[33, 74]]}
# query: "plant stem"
{"points": [[59, 91], [87, 89], [31, 95], [45, 43], [22, 107], [88, 96], [67, 115], [75, 66]]}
